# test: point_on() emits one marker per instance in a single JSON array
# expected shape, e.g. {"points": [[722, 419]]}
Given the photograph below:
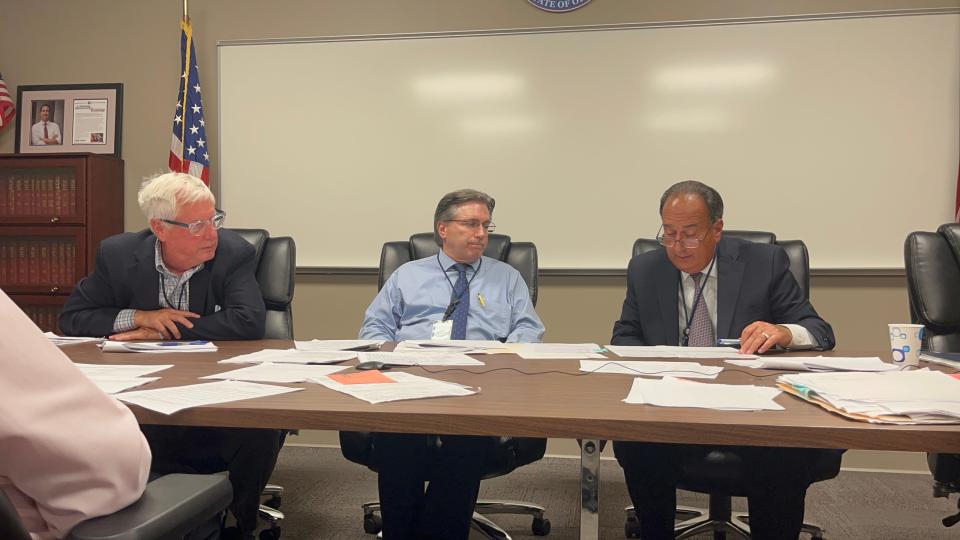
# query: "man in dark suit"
{"points": [[697, 289], [183, 278]]}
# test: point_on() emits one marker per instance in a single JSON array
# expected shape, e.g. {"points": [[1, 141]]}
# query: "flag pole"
{"points": [[186, 10]]}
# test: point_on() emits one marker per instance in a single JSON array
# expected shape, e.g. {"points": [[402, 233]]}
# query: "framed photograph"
{"points": [[65, 118]]}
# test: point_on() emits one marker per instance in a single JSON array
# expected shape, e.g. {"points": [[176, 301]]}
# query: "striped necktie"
{"points": [[701, 329]]}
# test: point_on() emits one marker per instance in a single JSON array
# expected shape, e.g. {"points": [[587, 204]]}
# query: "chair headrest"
{"points": [[256, 237], [423, 245], [759, 237]]}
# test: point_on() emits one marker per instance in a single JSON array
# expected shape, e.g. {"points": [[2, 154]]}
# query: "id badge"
{"points": [[442, 330]]}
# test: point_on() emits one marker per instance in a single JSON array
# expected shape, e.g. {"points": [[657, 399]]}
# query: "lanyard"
{"points": [[479, 266], [163, 289], [698, 295]]}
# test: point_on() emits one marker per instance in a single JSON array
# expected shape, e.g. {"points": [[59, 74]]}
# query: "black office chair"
{"points": [[722, 474], [276, 266], [170, 507], [932, 261], [512, 452]]}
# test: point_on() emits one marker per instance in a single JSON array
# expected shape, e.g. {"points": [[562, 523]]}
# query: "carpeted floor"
{"points": [[324, 493]]}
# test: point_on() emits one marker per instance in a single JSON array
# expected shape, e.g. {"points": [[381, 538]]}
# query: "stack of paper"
{"points": [[690, 370], [113, 379], [176, 398], [276, 373], [671, 392], [291, 356], [465, 346], [818, 363], [550, 351], [893, 397], [339, 345], [419, 359], [378, 387], [158, 346], [60, 341], [669, 351]]}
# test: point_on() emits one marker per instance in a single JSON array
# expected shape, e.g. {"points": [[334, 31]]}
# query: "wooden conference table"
{"points": [[539, 404]]}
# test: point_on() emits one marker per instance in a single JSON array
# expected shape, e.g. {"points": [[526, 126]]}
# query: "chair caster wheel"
{"points": [[540, 526], [272, 533], [372, 524], [631, 528], [273, 502]]}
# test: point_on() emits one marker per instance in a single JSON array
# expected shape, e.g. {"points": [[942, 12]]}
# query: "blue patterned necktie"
{"points": [[701, 329], [461, 290]]}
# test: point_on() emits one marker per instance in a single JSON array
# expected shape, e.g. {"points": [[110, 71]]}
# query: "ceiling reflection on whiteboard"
{"points": [[715, 77], [468, 87], [498, 125], [703, 120]]}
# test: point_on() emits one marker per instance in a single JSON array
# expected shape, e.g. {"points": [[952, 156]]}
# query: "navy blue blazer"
{"points": [[754, 283], [225, 292]]}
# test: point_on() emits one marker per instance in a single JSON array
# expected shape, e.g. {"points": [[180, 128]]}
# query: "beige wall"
{"points": [[135, 42]]}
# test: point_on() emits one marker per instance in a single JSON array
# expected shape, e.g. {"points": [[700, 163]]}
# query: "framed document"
{"points": [[66, 118]]}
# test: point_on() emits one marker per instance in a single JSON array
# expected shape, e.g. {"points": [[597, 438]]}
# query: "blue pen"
{"points": [[179, 343]]}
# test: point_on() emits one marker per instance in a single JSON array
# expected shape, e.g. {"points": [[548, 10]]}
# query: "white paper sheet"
{"points": [[552, 351], [120, 371], [276, 373], [406, 386], [671, 392], [291, 356], [419, 359], [465, 346], [158, 346], [339, 345], [111, 385], [669, 351], [689, 370], [817, 363], [177, 398], [60, 341]]}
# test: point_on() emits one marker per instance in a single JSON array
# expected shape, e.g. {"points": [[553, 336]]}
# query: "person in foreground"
{"points": [[57, 429], [183, 278], [457, 294], [701, 287]]}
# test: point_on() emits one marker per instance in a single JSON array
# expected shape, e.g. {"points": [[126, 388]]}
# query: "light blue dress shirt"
{"points": [[417, 294]]}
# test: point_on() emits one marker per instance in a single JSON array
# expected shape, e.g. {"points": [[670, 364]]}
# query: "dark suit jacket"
{"points": [[125, 276], [754, 283]]}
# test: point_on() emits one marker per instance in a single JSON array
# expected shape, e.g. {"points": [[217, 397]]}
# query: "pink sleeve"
{"points": [[71, 449]]}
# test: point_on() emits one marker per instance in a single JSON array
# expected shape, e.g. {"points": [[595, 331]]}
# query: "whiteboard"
{"points": [[840, 132]]}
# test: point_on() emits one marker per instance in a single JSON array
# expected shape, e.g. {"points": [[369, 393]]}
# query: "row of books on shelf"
{"points": [[50, 262], [45, 317], [24, 195]]}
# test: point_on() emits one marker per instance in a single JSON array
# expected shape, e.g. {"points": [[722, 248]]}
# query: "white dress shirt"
{"points": [[36, 133]]}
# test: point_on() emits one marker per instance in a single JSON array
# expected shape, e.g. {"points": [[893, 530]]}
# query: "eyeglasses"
{"points": [[689, 242], [197, 227], [471, 224]]}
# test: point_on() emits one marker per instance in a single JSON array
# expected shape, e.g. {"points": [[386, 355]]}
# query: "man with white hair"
{"points": [[183, 278]]}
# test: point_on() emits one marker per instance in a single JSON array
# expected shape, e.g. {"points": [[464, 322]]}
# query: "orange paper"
{"points": [[362, 377]]}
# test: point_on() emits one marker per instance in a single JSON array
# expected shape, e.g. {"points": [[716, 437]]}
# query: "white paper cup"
{"points": [[905, 343]]}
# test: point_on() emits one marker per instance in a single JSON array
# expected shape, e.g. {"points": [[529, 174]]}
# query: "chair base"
{"points": [[718, 519], [269, 512], [373, 523]]}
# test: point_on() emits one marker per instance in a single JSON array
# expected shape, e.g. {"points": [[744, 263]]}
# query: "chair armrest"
{"points": [[170, 507]]}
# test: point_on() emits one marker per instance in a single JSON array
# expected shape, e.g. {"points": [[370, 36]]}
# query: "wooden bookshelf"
{"points": [[54, 211]]}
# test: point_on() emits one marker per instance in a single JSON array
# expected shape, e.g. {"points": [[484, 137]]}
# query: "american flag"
{"points": [[7, 110], [189, 151]]}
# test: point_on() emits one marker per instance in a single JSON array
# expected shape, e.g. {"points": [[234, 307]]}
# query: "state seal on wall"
{"points": [[559, 6]]}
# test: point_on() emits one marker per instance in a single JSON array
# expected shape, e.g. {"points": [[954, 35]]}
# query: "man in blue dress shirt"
{"points": [[456, 294]]}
